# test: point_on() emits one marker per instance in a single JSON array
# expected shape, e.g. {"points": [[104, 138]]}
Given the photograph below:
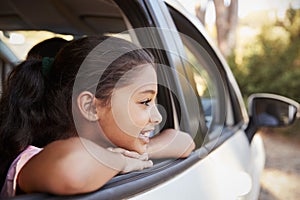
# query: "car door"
{"points": [[197, 94]]}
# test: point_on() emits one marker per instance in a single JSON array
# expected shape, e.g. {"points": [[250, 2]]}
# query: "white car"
{"points": [[197, 94]]}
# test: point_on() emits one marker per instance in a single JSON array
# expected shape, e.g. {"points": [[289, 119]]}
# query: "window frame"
{"points": [[239, 113]]}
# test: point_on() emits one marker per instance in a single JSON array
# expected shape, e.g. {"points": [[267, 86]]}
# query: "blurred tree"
{"points": [[200, 10], [272, 63], [226, 21]]}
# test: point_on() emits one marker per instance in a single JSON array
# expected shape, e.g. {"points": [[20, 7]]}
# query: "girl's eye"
{"points": [[146, 102]]}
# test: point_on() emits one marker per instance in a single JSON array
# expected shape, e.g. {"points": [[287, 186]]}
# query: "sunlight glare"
{"points": [[210, 15]]}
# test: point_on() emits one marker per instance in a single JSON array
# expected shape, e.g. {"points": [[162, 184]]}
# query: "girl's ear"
{"points": [[87, 108]]}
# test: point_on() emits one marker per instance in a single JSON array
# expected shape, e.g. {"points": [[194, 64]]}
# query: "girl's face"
{"points": [[132, 114]]}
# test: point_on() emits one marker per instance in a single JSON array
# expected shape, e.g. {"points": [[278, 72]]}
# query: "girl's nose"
{"points": [[155, 116]]}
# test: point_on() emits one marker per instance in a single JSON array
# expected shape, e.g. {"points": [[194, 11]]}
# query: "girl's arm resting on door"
{"points": [[170, 143], [74, 166]]}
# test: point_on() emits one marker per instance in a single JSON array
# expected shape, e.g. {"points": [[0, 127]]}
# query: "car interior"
{"points": [[65, 17]]}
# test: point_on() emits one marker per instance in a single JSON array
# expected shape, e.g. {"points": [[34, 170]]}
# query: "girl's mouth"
{"points": [[144, 136]]}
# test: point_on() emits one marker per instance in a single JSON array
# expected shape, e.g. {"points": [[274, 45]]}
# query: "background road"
{"points": [[281, 177]]}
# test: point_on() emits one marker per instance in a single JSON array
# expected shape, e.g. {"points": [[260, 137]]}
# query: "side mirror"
{"points": [[272, 110]]}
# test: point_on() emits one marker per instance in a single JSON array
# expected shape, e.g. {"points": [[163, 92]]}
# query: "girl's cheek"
{"points": [[141, 119]]}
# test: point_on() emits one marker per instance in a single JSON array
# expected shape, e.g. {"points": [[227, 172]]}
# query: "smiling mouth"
{"points": [[145, 136]]}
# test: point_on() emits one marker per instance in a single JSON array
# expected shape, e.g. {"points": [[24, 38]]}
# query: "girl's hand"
{"points": [[133, 164], [130, 154], [133, 160]]}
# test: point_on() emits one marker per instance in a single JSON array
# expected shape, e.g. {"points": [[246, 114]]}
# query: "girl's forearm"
{"points": [[170, 143]]}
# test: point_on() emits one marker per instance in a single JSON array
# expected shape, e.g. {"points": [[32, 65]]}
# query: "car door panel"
{"points": [[222, 174]]}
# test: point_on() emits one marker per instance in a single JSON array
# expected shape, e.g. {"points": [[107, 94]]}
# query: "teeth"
{"points": [[144, 136], [147, 134]]}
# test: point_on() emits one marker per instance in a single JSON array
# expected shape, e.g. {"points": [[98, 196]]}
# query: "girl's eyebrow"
{"points": [[148, 91]]}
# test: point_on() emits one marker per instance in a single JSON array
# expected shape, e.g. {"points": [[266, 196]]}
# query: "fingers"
{"points": [[133, 164], [144, 156], [149, 163], [116, 150], [136, 155], [134, 160]]}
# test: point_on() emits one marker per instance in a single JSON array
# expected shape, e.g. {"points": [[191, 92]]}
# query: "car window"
{"points": [[204, 85], [208, 82], [20, 42]]}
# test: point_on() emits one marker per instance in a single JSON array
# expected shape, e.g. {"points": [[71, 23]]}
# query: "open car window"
{"points": [[20, 42]]}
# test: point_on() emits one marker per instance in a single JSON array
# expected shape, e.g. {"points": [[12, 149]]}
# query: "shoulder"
{"points": [[26, 155], [69, 166], [9, 188]]}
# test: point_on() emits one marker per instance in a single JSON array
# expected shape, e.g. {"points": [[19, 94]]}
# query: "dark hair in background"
{"points": [[36, 109], [47, 48]]}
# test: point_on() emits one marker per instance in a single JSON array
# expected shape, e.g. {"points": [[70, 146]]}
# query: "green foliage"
{"points": [[271, 63]]}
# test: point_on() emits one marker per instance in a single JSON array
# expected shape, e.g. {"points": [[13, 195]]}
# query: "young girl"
{"points": [[61, 137]]}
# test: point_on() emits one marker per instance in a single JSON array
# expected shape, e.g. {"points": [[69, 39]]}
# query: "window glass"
{"points": [[208, 86], [204, 85], [20, 42], [206, 80]]}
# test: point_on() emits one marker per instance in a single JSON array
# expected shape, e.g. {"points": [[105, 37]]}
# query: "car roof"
{"points": [[74, 17]]}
